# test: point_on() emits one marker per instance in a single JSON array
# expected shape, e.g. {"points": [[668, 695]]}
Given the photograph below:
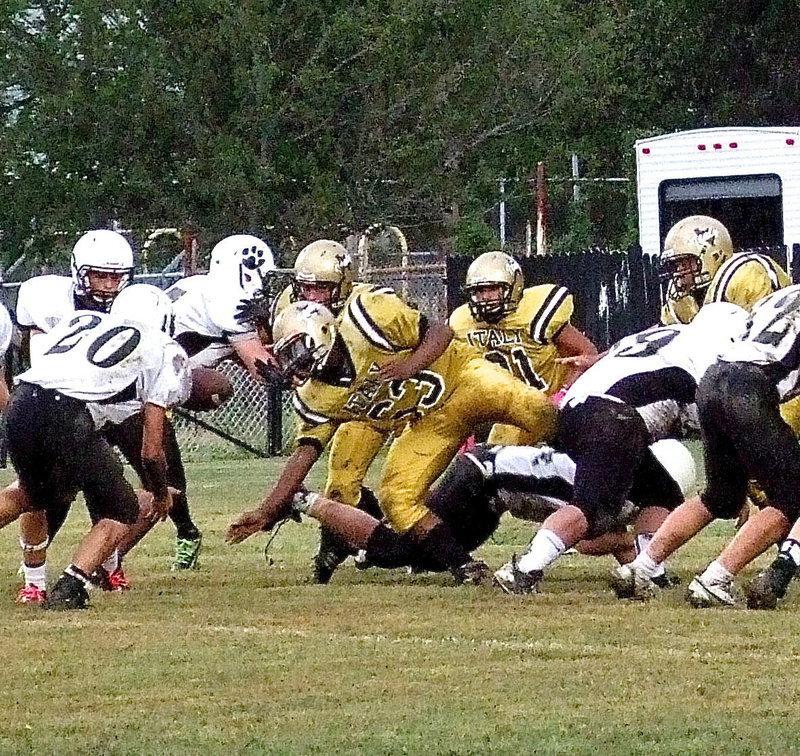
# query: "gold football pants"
{"points": [[353, 447], [485, 393]]}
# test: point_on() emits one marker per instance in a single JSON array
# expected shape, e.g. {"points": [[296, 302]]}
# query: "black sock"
{"points": [[441, 544]]}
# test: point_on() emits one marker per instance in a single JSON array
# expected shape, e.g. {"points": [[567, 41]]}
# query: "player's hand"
{"points": [[161, 507], [396, 369], [579, 362], [245, 525]]}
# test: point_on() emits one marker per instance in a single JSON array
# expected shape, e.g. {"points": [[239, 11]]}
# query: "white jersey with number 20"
{"points": [[96, 357]]}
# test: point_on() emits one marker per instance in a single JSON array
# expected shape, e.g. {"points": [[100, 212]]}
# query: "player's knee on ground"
{"points": [[387, 549]]}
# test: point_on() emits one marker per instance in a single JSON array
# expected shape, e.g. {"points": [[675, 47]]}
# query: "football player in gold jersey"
{"points": [[323, 273], [525, 331], [698, 266], [381, 361]]}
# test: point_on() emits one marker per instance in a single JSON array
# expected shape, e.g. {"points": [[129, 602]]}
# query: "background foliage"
{"points": [[303, 118]]}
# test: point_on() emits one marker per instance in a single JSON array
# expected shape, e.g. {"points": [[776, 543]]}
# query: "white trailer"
{"points": [[748, 178]]}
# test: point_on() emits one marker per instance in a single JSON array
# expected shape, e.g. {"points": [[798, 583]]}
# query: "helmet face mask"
{"points": [[494, 286], [694, 250], [682, 274], [296, 359], [323, 270], [102, 266]]}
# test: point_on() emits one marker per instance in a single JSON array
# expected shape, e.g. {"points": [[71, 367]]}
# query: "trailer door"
{"points": [[750, 207]]}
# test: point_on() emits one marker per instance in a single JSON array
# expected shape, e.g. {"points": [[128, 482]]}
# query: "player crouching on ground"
{"points": [[53, 442], [383, 361], [744, 437], [528, 482]]}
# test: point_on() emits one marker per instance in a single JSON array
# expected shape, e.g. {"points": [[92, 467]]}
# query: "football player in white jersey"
{"points": [[6, 333], [643, 390], [744, 437], [528, 482], [102, 266], [207, 327], [207, 306], [92, 358]]}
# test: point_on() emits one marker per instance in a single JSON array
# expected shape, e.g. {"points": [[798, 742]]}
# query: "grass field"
{"points": [[241, 658]]}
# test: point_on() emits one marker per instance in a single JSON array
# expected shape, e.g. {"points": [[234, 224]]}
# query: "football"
{"points": [[210, 389]]}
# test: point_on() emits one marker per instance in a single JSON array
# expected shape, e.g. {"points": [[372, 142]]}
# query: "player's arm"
{"points": [[277, 503], [255, 356], [570, 342], [436, 339], [154, 461]]}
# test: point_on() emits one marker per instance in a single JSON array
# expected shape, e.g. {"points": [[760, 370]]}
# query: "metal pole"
{"points": [[576, 191], [541, 208], [502, 213]]}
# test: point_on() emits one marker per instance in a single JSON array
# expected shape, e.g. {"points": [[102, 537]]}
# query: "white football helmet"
{"points": [[101, 251], [304, 333], [147, 306], [679, 463], [241, 260]]}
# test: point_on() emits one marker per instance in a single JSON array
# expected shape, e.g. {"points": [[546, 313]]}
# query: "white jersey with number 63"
{"points": [[96, 357]]}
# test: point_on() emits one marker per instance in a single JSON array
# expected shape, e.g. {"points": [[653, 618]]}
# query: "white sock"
{"points": [[112, 563], [642, 542], [646, 564], [545, 548], [716, 573], [36, 575]]}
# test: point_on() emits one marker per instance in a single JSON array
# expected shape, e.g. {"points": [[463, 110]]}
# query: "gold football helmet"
{"points": [[304, 333], [694, 249], [325, 263], [490, 270]]}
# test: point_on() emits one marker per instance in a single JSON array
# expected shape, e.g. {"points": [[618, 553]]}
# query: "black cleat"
{"points": [[68, 593], [513, 580], [770, 584], [666, 580], [332, 552], [473, 573]]}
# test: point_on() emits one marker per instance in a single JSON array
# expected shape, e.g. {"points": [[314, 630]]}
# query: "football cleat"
{"points": [[770, 584], [187, 551], [31, 594], [628, 582], [117, 581], [703, 594], [110, 581], [68, 593], [332, 552], [473, 573], [666, 580], [513, 580]]}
